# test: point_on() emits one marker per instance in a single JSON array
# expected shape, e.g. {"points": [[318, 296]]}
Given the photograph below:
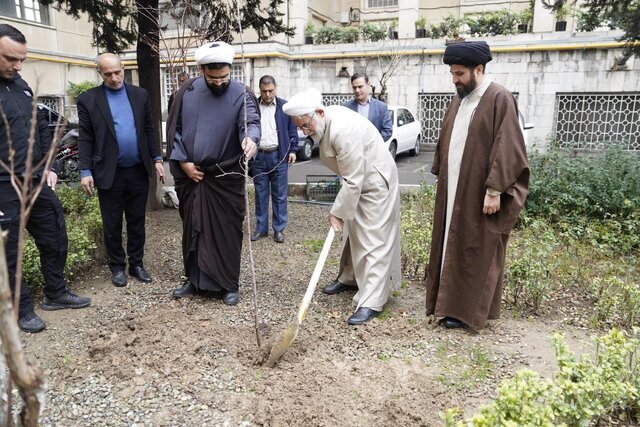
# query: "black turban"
{"points": [[467, 53]]}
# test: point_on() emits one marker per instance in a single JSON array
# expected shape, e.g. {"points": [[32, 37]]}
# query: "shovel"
{"points": [[286, 339]]}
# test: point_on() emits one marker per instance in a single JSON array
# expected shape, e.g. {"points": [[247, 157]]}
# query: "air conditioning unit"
{"points": [[344, 18]]}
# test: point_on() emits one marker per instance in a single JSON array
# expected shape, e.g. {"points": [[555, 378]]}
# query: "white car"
{"points": [[406, 131], [527, 130]]}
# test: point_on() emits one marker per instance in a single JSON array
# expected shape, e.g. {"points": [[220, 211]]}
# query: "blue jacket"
{"points": [[378, 115], [287, 132]]}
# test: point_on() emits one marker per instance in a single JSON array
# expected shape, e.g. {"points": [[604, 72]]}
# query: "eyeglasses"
{"points": [[218, 80], [307, 126]]}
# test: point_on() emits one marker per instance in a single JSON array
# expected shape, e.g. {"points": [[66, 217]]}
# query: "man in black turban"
{"points": [[483, 178]]}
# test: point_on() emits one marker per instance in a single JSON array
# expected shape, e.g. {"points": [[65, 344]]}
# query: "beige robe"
{"points": [[368, 202]]}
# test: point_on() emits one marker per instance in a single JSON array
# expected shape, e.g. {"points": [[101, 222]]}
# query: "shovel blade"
{"points": [[283, 343]]}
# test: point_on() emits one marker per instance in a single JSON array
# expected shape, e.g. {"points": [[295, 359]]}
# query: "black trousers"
{"points": [[47, 227], [127, 195]]}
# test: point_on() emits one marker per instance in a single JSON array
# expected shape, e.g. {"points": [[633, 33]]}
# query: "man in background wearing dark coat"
{"points": [[119, 151], [376, 111], [278, 146], [483, 179]]}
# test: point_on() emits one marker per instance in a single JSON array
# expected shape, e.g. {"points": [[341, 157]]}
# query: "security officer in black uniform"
{"points": [[46, 223]]}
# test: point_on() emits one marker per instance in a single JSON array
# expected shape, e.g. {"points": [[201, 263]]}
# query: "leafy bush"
{"points": [[582, 393], [373, 33], [77, 89], [416, 222], [84, 229], [616, 302], [531, 261], [450, 27], [328, 35], [349, 35], [494, 23], [602, 186]]}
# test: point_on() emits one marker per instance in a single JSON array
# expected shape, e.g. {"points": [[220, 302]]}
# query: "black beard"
{"points": [[467, 89], [218, 90]]}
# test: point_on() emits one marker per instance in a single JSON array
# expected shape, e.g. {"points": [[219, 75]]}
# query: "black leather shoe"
{"points": [[66, 300], [118, 278], [278, 236], [30, 322], [187, 289], [140, 273], [257, 236], [362, 315], [451, 323], [337, 287], [231, 298]]}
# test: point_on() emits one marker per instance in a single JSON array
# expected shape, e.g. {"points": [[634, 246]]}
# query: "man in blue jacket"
{"points": [[278, 146], [376, 111]]}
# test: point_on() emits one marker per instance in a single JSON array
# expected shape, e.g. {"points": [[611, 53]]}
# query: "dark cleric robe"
{"points": [[208, 130], [468, 285]]}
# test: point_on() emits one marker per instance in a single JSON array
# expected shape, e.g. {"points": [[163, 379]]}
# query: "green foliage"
{"points": [[349, 35], [309, 29], [616, 301], [421, 23], [77, 89], [593, 197], [531, 260], [373, 33], [328, 35], [499, 22], [448, 28], [84, 230], [416, 222], [463, 370], [618, 14], [582, 393], [313, 245]]}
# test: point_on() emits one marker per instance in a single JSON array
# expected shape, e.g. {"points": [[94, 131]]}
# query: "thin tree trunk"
{"points": [[28, 379], [4, 400], [147, 50]]}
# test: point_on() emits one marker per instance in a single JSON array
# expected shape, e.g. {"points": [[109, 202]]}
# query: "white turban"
{"points": [[302, 103], [215, 52]]}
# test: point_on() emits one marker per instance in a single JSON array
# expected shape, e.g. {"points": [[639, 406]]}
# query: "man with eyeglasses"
{"points": [[213, 124], [278, 146], [367, 207]]}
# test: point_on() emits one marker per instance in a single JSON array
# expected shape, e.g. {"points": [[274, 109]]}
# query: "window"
{"points": [[237, 73], [592, 120], [29, 10], [382, 3]]}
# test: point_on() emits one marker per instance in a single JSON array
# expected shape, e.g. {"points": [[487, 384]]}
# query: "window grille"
{"points": [[56, 103], [591, 120], [382, 3], [335, 98], [431, 109], [237, 73]]}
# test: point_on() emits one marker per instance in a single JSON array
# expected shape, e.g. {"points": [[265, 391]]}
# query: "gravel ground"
{"points": [[139, 358]]}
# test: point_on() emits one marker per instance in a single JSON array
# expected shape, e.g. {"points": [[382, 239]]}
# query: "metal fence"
{"points": [[592, 120]]}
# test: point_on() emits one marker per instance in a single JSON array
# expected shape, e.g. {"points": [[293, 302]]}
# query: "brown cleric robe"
{"points": [[467, 283]]}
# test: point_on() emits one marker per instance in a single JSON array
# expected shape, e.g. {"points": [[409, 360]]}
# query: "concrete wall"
{"points": [[535, 75]]}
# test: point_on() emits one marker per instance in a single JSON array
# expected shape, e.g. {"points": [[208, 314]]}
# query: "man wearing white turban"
{"points": [[367, 207], [213, 123]]}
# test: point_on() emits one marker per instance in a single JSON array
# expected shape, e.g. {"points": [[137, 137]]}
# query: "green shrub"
{"points": [[583, 392], [349, 35], [449, 28], [328, 35], [616, 302], [373, 33], [603, 186], [84, 229], [77, 89], [531, 262], [495, 23], [416, 222]]}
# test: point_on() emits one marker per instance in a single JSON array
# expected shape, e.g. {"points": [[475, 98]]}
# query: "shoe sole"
{"points": [[33, 331], [259, 237], [53, 307], [144, 281], [119, 285]]}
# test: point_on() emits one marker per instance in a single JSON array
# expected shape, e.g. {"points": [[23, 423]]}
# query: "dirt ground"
{"points": [[139, 357]]}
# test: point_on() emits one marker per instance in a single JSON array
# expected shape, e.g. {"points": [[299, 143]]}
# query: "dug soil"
{"points": [[139, 357]]}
